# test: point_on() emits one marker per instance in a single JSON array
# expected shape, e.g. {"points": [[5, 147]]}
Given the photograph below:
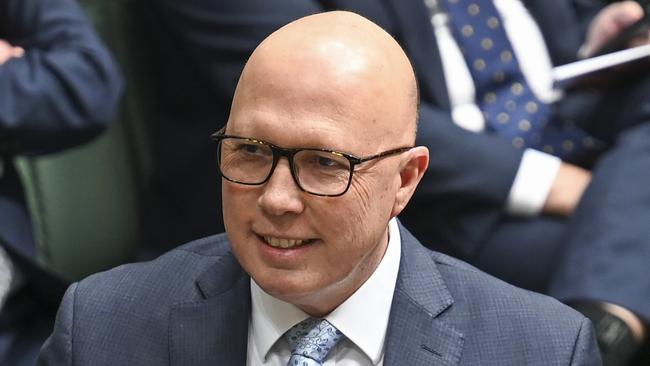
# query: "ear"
{"points": [[412, 167]]}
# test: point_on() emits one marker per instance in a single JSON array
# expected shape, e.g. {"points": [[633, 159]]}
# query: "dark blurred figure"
{"points": [[59, 87], [522, 214], [197, 79]]}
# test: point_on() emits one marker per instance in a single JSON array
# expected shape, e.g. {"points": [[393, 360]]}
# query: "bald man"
{"points": [[317, 160]]}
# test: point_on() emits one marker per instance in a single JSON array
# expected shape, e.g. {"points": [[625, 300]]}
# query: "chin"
{"points": [[291, 291]]}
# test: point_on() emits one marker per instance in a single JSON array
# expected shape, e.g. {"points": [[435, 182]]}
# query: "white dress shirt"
{"points": [[537, 170], [362, 318]]}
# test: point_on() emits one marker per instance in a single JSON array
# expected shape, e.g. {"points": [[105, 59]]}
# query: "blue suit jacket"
{"points": [[192, 305]]}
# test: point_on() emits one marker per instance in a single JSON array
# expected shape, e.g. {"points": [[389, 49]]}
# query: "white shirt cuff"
{"points": [[533, 182]]}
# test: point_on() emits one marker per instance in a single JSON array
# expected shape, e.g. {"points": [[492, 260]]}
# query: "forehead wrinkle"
{"points": [[295, 133], [295, 105]]}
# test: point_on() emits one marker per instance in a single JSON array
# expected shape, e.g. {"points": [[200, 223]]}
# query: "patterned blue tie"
{"points": [[510, 107], [311, 340]]}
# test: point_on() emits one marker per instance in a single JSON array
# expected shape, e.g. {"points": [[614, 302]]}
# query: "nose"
{"points": [[280, 194]]}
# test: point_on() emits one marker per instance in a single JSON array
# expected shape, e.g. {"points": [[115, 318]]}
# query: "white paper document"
{"points": [[563, 75]]}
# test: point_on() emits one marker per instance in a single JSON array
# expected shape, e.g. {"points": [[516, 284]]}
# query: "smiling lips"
{"points": [[285, 243]]}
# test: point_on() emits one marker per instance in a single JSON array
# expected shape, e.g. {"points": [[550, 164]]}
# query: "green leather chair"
{"points": [[85, 202]]}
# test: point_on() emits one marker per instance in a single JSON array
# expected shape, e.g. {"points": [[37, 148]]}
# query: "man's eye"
{"points": [[327, 162], [252, 149], [332, 163]]}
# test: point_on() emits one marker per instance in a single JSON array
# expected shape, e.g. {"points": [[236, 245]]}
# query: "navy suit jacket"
{"points": [[192, 305], [62, 92]]}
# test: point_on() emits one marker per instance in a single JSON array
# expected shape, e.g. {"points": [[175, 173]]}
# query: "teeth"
{"points": [[284, 243]]}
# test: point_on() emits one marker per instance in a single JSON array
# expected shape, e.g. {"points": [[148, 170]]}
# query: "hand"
{"points": [[7, 51], [611, 20], [570, 183]]}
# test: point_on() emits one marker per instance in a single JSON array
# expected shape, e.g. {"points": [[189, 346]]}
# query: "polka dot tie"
{"points": [[311, 340], [510, 107]]}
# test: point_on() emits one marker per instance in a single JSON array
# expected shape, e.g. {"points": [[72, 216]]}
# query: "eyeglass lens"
{"points": [[250, 162]]}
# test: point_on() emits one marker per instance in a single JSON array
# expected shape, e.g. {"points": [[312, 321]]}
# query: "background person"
{"points": [[59, 87]]}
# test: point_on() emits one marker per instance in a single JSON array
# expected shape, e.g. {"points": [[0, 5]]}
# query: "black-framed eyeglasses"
{"points": [[320, 172]]}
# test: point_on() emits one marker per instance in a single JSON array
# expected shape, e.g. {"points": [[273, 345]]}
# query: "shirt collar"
{"points": [[363, 317]]}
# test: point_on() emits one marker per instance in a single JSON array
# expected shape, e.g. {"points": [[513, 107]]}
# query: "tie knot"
{"points": [[311, 340]]}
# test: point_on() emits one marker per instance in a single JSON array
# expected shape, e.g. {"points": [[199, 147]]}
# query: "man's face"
{"points": [[335, 243]]}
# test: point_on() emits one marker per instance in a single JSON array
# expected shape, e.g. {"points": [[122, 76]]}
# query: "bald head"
{"points": [[338, 61], [321, 90]]}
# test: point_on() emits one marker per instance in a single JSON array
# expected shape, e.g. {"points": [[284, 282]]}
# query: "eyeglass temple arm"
{"points": [[220, 132], [399, 150]]}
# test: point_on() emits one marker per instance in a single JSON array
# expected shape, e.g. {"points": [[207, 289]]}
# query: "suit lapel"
{"points": [[416, 36], [213, 330], [416, 335]]}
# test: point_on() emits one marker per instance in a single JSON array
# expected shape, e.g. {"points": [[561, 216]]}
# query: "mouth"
{"points": [[285, 243]]}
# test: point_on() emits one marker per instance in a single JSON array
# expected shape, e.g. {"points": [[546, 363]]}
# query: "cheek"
{"points": [[228, 204], [363, 193], [363, 213], [357, 228], [371, 198], [372, 209], [238, 203]]}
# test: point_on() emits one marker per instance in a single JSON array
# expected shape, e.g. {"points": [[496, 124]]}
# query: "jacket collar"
{"points": [[416, 334], [213, 330]]}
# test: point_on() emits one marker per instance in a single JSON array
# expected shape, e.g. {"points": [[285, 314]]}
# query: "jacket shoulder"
{"points": [[467, 282], [495, 320], [165, 280], [129, 307], [533, 328]]}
